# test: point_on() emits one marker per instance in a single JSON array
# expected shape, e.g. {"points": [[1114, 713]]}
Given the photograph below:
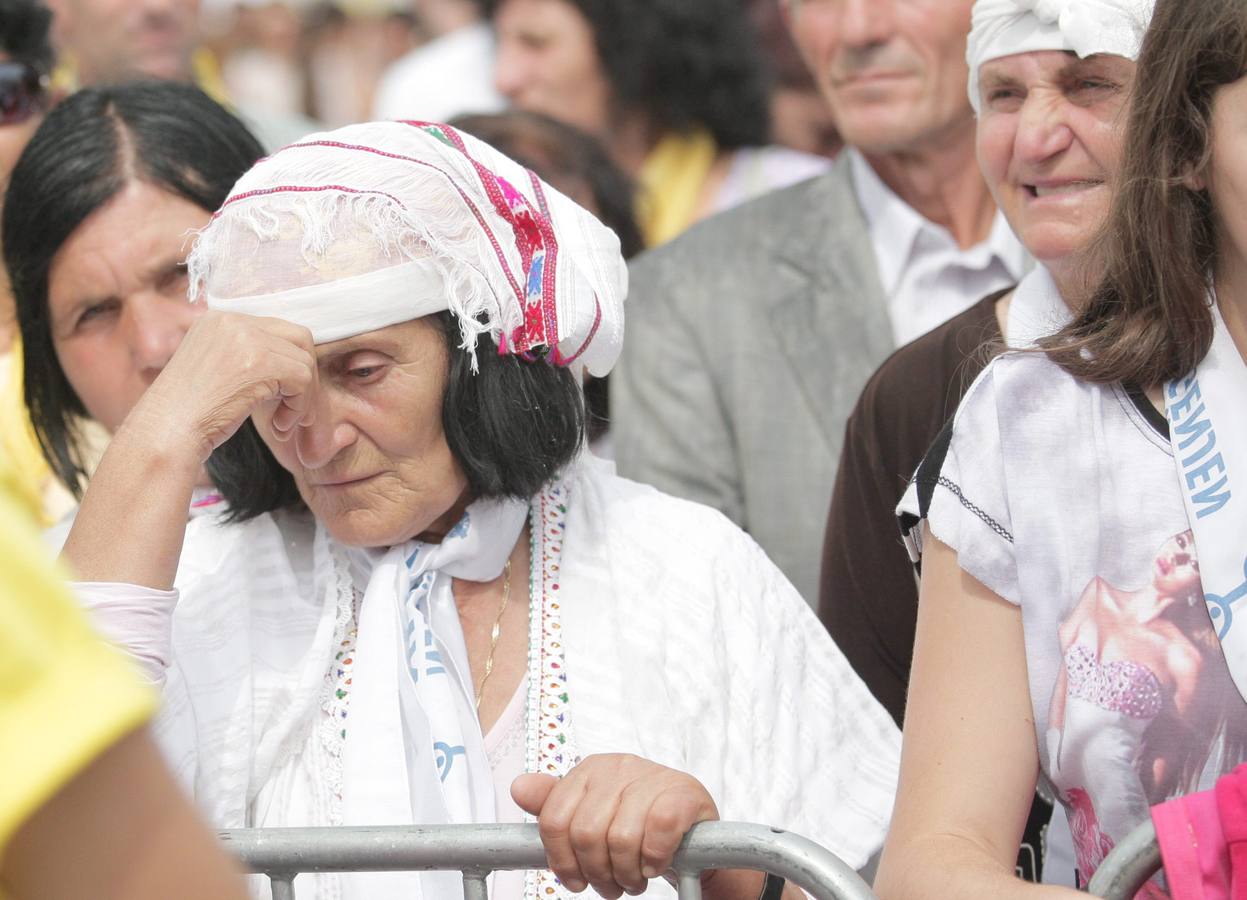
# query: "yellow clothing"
{"points": [[21, 464], [67, 696], [671, 182], [205, 68]]}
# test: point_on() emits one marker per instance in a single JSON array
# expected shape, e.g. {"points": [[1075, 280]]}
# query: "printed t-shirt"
{"points": [[67, 695], [1062, 497]]}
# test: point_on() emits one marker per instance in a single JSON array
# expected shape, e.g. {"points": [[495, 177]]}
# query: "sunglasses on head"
{"points": [[22, 90]]}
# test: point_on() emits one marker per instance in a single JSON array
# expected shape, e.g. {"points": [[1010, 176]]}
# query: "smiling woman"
{"points": [[422, 602]]}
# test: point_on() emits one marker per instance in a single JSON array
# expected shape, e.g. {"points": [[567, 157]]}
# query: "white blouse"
{"points": [[683, 643]]}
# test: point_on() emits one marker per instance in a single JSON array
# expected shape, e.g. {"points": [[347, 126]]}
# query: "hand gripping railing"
{"points": [[1130, 864], [477, 850]]}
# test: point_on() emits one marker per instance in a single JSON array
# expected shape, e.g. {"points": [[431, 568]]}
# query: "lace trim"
{"points": [[336, 692]]}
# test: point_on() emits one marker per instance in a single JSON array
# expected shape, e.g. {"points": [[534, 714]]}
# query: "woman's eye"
{"points": [[96, 312], [364, 372], [1004, 98]]}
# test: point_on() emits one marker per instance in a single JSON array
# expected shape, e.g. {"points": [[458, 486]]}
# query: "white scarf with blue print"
{"points": [[1208, 433], [412, 720]]}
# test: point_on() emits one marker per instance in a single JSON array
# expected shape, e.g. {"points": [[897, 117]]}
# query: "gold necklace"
{"points": [[497, 630]]}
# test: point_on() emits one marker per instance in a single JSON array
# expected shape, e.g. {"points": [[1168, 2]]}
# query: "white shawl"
{"points": [[684, 645]]}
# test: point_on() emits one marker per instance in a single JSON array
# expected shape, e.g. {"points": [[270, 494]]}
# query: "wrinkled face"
{"points": [[1176, 570], [1049, 143], [112, 40], [1226, 176], [374, 466], [893, 71], [548, 63], [117, 297]]}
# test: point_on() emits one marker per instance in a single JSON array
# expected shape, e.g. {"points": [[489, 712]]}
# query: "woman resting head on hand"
{"points": [[422, 589]]}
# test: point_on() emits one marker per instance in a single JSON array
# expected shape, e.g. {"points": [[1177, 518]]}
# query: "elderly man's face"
{"points": [[374, 467], [893, 71], [113, 40]]}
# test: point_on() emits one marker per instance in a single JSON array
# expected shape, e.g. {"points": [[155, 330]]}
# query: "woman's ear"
{"points": [[1195, 178]]}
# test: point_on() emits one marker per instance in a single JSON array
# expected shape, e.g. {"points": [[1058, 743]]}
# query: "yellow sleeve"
{"points": [[65, 695]]}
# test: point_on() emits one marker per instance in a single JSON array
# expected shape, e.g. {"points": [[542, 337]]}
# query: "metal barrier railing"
{"points": [[1128, 866], [477, 850]]}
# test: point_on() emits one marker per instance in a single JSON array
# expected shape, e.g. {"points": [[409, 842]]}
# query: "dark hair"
{"points": [[88, 148], [24, 33], [511, 426], [1148, 321], [684, 64]]}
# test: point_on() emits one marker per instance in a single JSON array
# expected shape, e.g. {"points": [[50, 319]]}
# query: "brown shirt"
{"points": [[868, 597]]}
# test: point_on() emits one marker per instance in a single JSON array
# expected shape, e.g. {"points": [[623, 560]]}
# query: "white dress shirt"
{"points": [[925, 275]]}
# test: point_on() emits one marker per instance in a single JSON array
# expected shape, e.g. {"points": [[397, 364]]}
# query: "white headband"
{"points": [[1085, 27], [384, 297]]}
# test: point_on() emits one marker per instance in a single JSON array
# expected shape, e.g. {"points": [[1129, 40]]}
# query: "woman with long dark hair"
{"points": [[96, 230]]}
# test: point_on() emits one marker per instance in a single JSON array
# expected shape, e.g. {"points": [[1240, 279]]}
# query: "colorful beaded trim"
{"points": [[550, 745]]}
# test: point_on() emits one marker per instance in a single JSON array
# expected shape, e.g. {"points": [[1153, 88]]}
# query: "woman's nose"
{"points": [[510, 71], [156, 328], [319, 443], [1043, 129]]}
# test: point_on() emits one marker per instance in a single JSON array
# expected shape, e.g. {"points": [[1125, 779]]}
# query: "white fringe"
{"points": [[441, 228]]}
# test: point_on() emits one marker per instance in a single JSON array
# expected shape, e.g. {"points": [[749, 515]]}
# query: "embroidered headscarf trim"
{"points": [[375, 224]]}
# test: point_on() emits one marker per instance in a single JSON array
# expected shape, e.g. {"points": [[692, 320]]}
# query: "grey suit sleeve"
{"points": [[669, 421]]}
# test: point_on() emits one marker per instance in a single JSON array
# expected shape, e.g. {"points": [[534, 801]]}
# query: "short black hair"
{"points": [[25, 27], [562, 155], [684, 63], [512, 426], [85, 152]]}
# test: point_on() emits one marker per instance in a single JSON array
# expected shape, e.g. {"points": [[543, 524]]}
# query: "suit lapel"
{"points": [[833, 327]]}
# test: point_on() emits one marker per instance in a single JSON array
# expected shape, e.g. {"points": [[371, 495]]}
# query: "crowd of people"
{"points": [[901, 514]]}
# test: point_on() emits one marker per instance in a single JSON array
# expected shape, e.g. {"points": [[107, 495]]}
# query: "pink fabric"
{"points": [[1231, 793], [1203, 841]]}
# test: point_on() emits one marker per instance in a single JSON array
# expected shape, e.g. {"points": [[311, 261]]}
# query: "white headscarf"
{"points": [[1086, 27], [353, 230]]}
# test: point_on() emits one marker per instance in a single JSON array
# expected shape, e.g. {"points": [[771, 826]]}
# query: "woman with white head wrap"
{"points": [[1037, 543], [420, 588]]}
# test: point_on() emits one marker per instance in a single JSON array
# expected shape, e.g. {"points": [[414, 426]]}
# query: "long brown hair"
{"points": [[1148, 320]]}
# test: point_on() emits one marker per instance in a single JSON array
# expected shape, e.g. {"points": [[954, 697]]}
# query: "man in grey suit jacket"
{"points": [[751, 335]]}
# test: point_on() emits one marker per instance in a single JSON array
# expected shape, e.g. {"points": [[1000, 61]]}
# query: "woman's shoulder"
{"points": [[1024, 389], [618, 504], [647, 552], [216, 546]]}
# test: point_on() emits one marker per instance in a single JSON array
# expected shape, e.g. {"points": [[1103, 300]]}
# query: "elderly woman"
{"points": [[1093, 664], [1048, 120], [421, 589]]}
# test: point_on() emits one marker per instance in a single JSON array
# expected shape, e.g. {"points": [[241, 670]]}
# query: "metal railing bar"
{"points": [[474, 887], [476, 848], [688, 884], [283, 886], [1130, 864]]}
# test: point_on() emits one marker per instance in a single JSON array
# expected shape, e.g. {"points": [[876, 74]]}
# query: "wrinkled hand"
{"points": [[228, 366], [614, 821]]}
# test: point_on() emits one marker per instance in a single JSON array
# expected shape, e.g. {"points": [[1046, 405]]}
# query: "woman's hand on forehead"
{"points": [[228, 366]]}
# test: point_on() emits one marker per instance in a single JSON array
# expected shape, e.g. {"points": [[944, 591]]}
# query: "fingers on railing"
{"points": [[476, 850]]}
